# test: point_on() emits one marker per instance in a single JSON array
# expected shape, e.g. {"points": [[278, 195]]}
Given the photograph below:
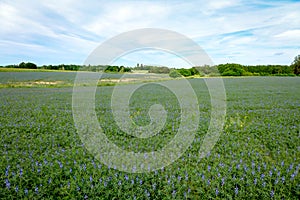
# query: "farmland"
{"points": [[256, 157]]}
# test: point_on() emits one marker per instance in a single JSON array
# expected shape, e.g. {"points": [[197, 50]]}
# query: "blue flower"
{"points": [[272, 193], [217, 191], [236, 190], [7, 183]]}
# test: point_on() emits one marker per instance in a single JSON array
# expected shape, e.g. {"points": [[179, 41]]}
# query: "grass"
{"points": [[256, 157]]}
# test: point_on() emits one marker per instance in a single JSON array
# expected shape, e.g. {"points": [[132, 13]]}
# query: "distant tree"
{"points": [[185, 72], [28, 65], [296, 65], [174, 74]]}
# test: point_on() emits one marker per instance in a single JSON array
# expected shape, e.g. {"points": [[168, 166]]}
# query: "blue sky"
{"points": [[230, 31]]}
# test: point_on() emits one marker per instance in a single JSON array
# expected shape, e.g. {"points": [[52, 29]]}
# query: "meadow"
{"points": [[256, 157]]}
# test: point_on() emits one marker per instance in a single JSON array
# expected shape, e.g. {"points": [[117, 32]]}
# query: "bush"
{"points": [[174, 74]]}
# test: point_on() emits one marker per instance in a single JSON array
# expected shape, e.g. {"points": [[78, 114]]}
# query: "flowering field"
{"points": [[257, 155]]}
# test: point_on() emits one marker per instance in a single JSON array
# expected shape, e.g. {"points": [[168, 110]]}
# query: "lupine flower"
{"points": [[7, 183], [217, 191], [270, 173], [154, 186], [179, 178], [126, 177], [208, 182], [236, 190], [272, 193], [293, 176], [174, 193], [6, 170], [26, 191]]}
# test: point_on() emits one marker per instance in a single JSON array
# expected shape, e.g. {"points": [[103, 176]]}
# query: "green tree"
{"points": [[296, 65], [174, 74]]}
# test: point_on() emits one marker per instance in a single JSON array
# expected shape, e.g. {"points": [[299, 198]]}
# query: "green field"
{"points": [[256, 157]]}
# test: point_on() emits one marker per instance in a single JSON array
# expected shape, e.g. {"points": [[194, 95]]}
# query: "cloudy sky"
{"points": [[230, 31]]}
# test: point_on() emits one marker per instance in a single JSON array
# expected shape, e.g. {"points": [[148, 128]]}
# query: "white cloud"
{"points": [[290, 34], [73, 29]]}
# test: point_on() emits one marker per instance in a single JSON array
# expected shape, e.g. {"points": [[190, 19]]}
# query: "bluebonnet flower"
{"points": [[262, 176], [91, 178], [26, 191], [36, 189], [21, 172], [132, 181], [270, 173], [120, 182], [255, 181], [17, 189], [141, 182]]}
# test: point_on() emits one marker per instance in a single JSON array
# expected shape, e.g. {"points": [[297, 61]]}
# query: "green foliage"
{"points": [[24, 65], [256, 156], [296, 65], [115, 69], [185, 72], [174, 74], [159, 70]]}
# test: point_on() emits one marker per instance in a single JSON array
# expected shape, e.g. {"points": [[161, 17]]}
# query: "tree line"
{"points": [[228, 69]]}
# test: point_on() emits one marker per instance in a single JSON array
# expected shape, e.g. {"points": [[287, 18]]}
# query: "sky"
{"points": [[229, 31]]}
